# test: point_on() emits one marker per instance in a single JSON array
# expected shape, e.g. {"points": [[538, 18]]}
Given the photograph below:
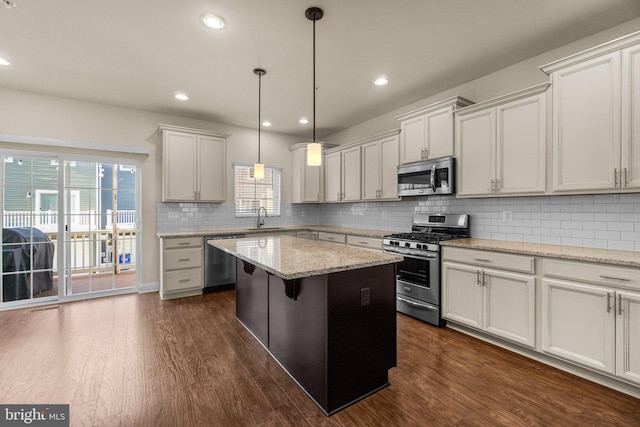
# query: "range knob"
{"points": [[407, 245], [418, 246]]}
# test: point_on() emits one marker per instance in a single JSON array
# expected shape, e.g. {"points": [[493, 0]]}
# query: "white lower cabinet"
{"points": [[589, 318], [578, 324], [496, 301], [628, 336], [181, 264]]}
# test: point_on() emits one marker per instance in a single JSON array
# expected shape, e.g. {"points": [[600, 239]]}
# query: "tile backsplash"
{"points": [[599, 221]]}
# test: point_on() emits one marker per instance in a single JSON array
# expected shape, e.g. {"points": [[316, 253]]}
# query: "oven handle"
{"points": [[427, 256], [404, 282], [415, 304]]}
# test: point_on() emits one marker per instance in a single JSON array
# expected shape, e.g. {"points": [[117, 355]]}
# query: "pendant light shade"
{"points": [[258, 167], [314, 148], [314, 154]]}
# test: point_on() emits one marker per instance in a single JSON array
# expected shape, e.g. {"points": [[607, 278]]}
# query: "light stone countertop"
{"points": [[292, 258], [266, 229], [605, 256]]}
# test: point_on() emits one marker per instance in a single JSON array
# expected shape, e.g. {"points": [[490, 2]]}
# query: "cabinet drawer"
{"points": [[182, 242], [180, 280], [594, 273], [332, 237], [182, 258], [365, 242], [521, 263]]}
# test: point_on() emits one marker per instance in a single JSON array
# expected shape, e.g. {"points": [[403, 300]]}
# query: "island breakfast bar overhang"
{"points": [[326, 313]]}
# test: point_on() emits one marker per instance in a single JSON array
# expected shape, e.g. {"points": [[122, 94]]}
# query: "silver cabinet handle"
{"points": [[608, 302], [426, 153], [615, 177], [484, 279], [183, 259], [498, 187], [493, 185], [622, 279], [478, 277], [184, 280], [620, 304], [482, 259], [407, 289], [364, 243], [183, 243]]}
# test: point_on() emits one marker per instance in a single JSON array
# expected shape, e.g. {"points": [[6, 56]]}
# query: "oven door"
{"points": [[419, 277]]}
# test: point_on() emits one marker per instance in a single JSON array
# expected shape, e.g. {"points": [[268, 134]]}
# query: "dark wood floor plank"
{"points": [[135, 360]]}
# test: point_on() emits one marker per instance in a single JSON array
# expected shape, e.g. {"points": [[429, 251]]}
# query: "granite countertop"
{"points": [[292, 258], [605, 256], [267, 229]]}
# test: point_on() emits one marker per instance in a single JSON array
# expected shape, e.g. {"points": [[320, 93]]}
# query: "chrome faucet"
{"points": [[261, 222]]}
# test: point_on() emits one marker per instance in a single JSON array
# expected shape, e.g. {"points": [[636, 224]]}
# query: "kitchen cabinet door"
{"points": [[380, 169], [462, 294], [628, 336], [333, 176], [439, 131], [475, 148], [586, 125], [179, 178], [212, 171], [351, 174], [509, 306], [389, 158], [631, 118], [412, 139], [371, 170], [521, 146], [578, 323]]}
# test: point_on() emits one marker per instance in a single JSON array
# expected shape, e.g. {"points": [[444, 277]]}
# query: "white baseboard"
{"points": [[149, 287]]}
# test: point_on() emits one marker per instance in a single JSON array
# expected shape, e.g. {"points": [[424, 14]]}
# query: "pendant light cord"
{"points": [[314, 80], [259, 103]]}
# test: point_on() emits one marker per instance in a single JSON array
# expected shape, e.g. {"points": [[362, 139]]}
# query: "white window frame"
{"points": [[240, 170]]}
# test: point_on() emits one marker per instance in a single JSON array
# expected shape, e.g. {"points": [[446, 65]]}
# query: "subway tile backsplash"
{"points": [[599, 221]]}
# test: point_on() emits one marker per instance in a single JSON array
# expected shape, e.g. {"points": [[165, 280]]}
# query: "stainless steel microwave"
{"points": [[427, 177]]}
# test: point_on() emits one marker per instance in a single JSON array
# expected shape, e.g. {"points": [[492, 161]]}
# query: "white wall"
{"points": [[35, 115]]}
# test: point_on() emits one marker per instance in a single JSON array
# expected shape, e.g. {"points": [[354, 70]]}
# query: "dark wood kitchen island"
{"points": [[325, 312]]}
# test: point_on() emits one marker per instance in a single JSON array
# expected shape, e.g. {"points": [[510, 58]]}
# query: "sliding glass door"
{"points": [[69, 228]]}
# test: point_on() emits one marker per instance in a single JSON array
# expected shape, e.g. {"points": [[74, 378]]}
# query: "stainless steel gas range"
{"points": [[418, 283]]}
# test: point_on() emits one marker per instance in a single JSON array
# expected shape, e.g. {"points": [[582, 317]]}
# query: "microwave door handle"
{"points": [[433, 178]]}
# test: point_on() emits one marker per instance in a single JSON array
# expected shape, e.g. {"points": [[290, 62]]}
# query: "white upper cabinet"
{"points": [[631, 117], [427, 133], [194, 165], [306, 181], [501, 145], [380, 167], [366, 169], [594, 97]]}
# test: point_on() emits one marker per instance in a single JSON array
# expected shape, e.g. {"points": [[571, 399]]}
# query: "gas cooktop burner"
{"points": [[423, 237]]}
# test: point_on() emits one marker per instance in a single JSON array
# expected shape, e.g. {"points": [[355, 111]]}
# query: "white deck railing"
{"points": [[90, 246]]}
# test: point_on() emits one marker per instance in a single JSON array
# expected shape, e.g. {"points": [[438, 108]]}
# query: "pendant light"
{"points": [[314, 148], [258, 168]]}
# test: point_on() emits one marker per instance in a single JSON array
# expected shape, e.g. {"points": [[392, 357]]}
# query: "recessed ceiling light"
{"points": [[381, 81], [181, 96], [303, 121], [266, 123], [213, 21], [4, 62]]}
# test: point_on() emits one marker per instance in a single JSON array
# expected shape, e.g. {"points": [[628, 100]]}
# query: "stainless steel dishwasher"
{"points": [[219, 266]]}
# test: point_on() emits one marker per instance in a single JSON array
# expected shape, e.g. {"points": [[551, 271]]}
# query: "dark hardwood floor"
{"points": [[134, 360]]}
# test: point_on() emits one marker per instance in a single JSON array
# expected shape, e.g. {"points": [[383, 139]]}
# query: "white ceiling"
{"points": [[137, 53]]}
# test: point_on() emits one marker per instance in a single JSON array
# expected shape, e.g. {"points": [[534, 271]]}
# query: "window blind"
{"points": [[252, 193]]}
